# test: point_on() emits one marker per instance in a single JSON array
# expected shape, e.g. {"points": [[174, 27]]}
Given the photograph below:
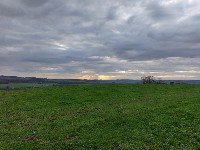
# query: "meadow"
{"points": [[101, 117]]}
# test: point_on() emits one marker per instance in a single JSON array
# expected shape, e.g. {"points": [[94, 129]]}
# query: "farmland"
{"points": [[101, 117]]}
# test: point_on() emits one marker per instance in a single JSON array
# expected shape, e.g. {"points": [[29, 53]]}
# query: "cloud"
{"points": [[35, 3], [117, 39]]}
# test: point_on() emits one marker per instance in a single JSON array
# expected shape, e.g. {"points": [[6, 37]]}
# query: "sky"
{"points": [[100, 39]]}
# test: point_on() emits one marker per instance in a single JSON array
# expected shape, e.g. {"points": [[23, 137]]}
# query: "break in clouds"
{"points": [[100, 39]]}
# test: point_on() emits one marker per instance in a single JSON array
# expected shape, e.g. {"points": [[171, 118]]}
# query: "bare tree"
{"points": [[148, 79]]}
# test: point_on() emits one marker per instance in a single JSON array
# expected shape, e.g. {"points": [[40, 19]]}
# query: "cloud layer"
{"points": [[100, 39]]}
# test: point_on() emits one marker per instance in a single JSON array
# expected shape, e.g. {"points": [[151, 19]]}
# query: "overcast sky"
{"points": [[100, 39]]}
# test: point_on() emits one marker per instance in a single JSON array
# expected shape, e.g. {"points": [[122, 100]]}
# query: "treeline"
{"points": [[15, 79]]}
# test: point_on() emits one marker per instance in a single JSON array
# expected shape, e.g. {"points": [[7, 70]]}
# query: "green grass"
{"points": [[101, 117]]}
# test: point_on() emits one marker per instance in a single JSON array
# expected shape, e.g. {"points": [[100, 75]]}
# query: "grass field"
{"points": [[101, 117]]}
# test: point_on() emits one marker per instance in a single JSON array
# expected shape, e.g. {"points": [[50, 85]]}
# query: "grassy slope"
{"points": [[101, 116]]}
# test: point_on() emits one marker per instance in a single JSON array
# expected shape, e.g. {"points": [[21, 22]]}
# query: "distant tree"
{"points": [[148, 79]]}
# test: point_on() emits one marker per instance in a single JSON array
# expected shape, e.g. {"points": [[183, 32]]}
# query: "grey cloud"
{"points": [[34, 3], [162, 12], [10, 11], [102, 36], [158, 12], [195, 18], [177, 33]]}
